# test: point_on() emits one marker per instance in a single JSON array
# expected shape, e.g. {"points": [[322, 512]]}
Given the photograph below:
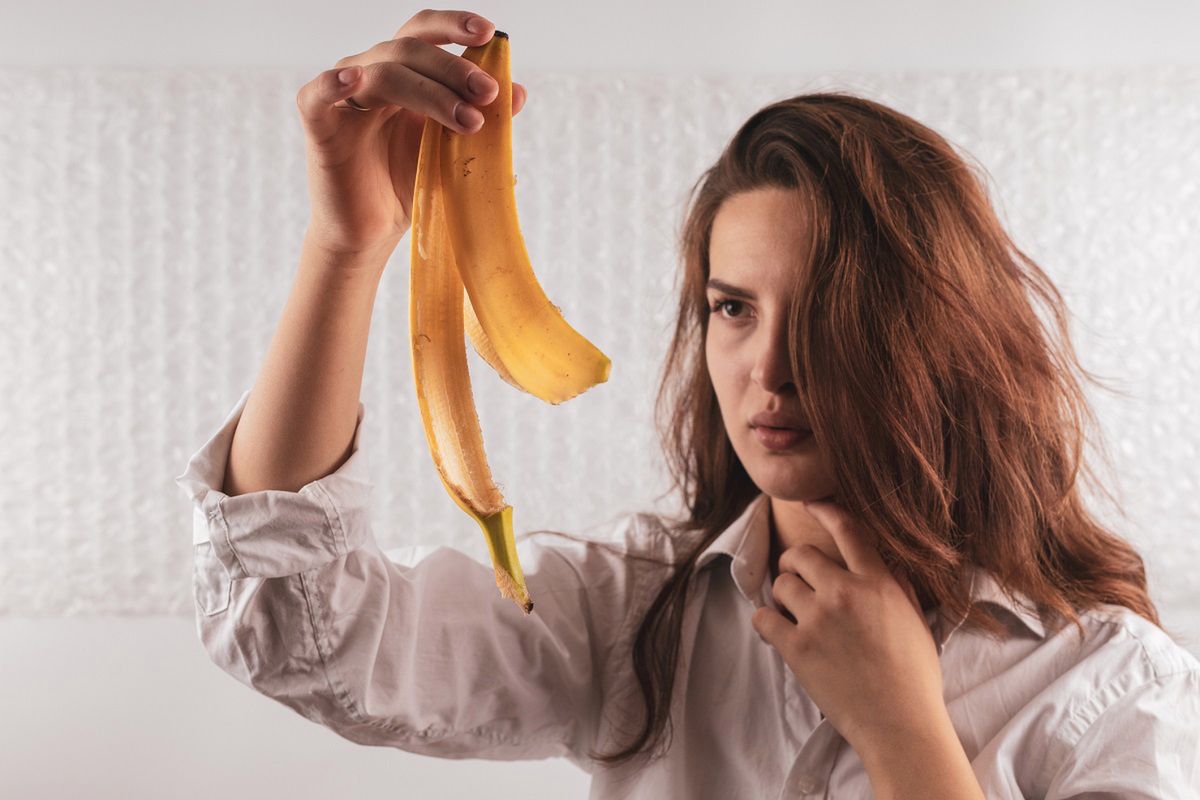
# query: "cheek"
{"points": [[723, 361], [722, 370], [713, 362]]}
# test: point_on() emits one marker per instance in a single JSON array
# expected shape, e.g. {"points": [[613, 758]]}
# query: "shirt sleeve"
{"points": [[295, 599], [1144, 746]]}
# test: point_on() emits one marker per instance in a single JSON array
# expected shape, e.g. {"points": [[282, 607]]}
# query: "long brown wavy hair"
{"points": [[950, 409]]}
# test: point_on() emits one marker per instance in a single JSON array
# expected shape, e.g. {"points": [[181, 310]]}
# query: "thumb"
{"points": [[316, 99]]}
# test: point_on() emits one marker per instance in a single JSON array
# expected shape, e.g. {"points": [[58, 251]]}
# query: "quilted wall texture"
{"points": [[152, 223]]}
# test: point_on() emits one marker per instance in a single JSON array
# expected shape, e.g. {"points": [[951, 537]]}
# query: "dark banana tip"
{"points": [[501, 34]]}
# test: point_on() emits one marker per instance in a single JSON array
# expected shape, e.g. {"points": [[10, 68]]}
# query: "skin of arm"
{"points": [[299, 420], [929, 763]]}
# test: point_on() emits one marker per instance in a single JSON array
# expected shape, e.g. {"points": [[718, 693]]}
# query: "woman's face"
{"points": [[755, 246]]}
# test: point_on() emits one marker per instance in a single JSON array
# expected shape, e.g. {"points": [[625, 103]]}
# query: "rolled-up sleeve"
{"points": [[295, 599], [1145, 745]]}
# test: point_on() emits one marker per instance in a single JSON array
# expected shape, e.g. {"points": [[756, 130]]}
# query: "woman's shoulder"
{"points": [[1123, 667], [1124, 640], [1120, 708]]}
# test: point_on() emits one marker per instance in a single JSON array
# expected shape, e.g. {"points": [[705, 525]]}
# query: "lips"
{"points": [[781, 423], [770, 419], [780, 438]]}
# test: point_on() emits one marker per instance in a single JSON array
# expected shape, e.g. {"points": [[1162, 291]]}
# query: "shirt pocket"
{"points": [[210, 580]]}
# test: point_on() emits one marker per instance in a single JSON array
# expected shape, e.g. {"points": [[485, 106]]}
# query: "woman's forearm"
{"points": [[930, 763], [299, 419]]}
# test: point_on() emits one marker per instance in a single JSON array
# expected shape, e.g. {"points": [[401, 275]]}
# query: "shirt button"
{"points": [[805, 784]]}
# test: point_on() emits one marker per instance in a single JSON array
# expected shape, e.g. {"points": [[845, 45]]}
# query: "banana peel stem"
{"points": [[498, 530]]}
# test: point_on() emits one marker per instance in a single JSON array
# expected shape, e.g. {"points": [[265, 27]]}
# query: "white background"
{"points": [[104, 689]]}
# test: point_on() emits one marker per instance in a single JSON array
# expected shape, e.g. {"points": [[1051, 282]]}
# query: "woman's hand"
{"points": [[860, 646], [362, 164]]}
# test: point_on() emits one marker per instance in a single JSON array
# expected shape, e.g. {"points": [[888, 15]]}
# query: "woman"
{"points": [[879, 444]]}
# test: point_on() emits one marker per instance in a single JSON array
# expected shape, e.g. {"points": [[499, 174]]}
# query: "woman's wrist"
{"points": [[358, 258], [928, 761]]}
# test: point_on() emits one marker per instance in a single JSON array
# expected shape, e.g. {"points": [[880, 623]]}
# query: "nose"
{"points": [[772, 369]]}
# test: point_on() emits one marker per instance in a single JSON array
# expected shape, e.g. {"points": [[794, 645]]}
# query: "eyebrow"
{"points": [[729, 289]]}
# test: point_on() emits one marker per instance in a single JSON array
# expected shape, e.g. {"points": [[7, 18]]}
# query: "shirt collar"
{"points": [[747, 541]]}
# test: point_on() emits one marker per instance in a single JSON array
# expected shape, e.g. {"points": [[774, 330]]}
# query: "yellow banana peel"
{"points": [[470, 274]]}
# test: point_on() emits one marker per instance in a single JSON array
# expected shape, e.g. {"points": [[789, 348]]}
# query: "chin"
{"points": [[800, 474], [793, 482]]}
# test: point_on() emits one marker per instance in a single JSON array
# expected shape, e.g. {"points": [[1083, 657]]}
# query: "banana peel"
{"points": [[470, 274]]}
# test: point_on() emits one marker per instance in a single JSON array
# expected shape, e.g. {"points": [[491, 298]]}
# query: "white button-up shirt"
{"points": [[416, 649]]}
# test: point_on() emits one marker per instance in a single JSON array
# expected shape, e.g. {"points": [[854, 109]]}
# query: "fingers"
{"points": [[415, 45], [443, 70], [809, 563], [858, 552], [792, 594], [412, 72], [392, 83], [770, 625], [446, 27], [316, 99]]}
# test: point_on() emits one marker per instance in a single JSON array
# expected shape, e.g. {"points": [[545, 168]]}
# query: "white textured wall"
{"points": [[153, 225], [150, 221]]}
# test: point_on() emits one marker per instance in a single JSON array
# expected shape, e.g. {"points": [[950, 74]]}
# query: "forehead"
{"points": [[759, 239]]}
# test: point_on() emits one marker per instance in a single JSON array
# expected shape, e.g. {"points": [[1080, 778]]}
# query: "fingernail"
{"points": [[467, 116], [478, 83], [349, 75], [476, 25]]}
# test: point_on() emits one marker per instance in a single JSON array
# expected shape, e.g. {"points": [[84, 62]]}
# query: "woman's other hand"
{"points": [[860, 645]]}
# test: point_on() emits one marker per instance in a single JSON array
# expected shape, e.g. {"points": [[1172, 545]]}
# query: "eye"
{"points": [[721, 302]]}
